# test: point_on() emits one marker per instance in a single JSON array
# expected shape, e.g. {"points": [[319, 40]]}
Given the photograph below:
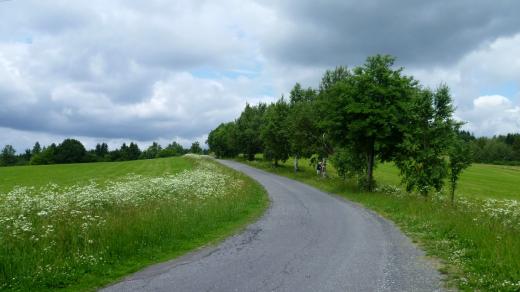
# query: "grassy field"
{"points": [[477, 240], [478, 181], [73, 174], [97, 222]]}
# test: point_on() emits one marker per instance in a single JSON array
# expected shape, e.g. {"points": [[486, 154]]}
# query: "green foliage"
{"points": [[248, 127], [173, 149], [8, 156], [365, 111], [459, 159], [223, 140], [427, 141], [70, 151], [302, 122], [152, 151], [274, 132], [195, 148], [349, 164]]}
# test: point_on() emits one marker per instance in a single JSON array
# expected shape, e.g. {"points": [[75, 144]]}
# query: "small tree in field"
{"points": [[422, 156], [460, 159]]}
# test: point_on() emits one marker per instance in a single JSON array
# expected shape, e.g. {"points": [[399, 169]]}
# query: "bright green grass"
{"points": [[71, 174], [92, 243], [478, 252], [478, 181]]}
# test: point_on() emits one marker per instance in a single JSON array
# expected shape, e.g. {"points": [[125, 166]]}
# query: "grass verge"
{"points": [[79, 237], [478, 241]]}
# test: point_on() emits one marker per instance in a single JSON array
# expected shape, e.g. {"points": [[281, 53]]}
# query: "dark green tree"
{"points": [[302, 124], [248, 130], [133, 151], [274, 132], [195, 148], [152, 151], [36, 148], [70, 151], [46, 156], [222, 141], [8, 156], [430, 132], [365, 111]]}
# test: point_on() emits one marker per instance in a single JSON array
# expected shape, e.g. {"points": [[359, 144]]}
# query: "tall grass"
{"points": [[82, 236], [477, 239]]}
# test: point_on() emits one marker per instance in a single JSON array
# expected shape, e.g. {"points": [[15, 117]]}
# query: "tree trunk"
{"points": [[296, 163], [323, 167], [370, 167], [452, 193]]}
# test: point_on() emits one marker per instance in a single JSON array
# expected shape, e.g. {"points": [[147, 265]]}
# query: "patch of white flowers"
{"points": [[24, 207]]}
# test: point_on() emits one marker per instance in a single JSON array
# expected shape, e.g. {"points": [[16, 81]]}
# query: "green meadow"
{"points": [[72, 174], [475, 241], [82, 226], [478, 181]]}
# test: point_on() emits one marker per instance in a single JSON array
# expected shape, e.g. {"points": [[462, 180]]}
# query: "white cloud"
{"points": [[492, 115]]}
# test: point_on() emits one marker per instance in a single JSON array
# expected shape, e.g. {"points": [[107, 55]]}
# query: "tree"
{"points": [[274, 132], [301, 123], [427, 141], [223, 140], [152, 151], [101, 150], [70, 151], [46, 156], [248, 129], [195, 148], [133, 151], [459, 159], [8, 156], [364, 111], [36, 148]]}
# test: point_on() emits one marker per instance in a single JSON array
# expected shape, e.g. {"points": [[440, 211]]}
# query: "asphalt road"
{"points": [[307, 241]]}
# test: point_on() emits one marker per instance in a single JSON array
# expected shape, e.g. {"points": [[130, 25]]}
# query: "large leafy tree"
{"points": [[248, 129], [274, 132], [429, 136], [70, 151], [364, 111]]}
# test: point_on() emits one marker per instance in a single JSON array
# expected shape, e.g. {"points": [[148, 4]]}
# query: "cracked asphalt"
{"points": [[307, 241]]}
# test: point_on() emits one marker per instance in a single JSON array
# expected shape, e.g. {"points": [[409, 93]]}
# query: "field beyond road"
{"points": [[82, 226], [478, 181]]}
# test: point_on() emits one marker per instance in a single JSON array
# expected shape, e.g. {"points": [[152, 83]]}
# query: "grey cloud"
{"points": [[419, 33]]}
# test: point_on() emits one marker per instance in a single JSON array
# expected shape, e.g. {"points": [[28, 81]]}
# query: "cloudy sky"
{"points": [[158, 70]]}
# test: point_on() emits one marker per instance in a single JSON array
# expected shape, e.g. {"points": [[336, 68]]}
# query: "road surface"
{"points": [[307, 241]]}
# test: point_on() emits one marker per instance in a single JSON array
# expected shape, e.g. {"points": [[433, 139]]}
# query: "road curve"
{"points": [[307, 241]]}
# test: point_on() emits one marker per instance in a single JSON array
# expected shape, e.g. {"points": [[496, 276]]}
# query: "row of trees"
{"points": [[502, 149], [357, 117], [73, 151]]}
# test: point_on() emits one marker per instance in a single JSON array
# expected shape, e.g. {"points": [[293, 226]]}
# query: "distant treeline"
{"points": [[502, 149], [73, 151]]}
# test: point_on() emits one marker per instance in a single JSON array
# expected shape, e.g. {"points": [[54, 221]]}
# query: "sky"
{"points": [[125, 70]]}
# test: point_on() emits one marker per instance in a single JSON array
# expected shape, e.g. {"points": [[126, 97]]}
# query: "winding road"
{"points": [[307, 241]]}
